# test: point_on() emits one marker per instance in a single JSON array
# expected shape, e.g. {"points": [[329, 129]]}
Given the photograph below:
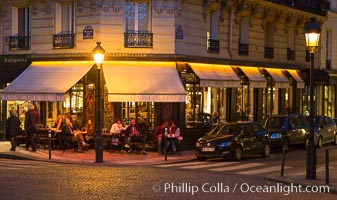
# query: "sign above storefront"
{"points": [[88, 32]]}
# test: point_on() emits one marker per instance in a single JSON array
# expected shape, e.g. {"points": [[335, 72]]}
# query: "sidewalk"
{"points": [[152, 158], [89, 157]]}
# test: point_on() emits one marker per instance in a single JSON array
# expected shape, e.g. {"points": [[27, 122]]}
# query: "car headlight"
{"points": [[224, 144], [275, 135]]}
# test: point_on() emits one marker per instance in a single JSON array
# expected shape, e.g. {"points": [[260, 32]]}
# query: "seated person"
{"points": [[174, 134], [159, 135], [90, 132], [68, 129], [132, 132], [117, 131]]}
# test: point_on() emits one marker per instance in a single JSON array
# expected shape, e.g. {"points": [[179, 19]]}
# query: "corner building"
{"points": [[180, 60]]}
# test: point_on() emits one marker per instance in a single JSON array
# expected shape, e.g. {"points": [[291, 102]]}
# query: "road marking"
{"points": [[320, 169], [244, 166], [207, 165], [179, 164], [262, 170]]}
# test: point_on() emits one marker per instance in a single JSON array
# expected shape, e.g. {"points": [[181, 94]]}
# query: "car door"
{"points": [[246, 139], [298, 131]]}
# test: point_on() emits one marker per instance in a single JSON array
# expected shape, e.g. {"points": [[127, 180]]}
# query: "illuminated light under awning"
{"points": [[220, 76], [280, 80], [298, 79], [46, 81], [143, 81], [256, 80]]}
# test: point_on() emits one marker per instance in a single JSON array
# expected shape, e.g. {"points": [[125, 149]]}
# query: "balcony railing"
{"points": [[328, 64], [212, 46], [243, 49], [138, 40], [269, 52], [19, 42], [63, 41], [290, 54]]}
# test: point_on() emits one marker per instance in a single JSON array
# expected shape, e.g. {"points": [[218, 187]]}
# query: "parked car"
{"points": [[325, 130], [233, 140], [287, 130]]}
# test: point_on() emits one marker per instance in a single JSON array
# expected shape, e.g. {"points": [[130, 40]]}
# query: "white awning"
{"points": [[46, 81], [256, 80], [280, 80], [143, 82], [220, 76], [298, 79]]}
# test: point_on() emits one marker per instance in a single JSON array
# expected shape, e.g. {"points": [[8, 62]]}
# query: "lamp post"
{"points": [[98, 52], [312, 33]]}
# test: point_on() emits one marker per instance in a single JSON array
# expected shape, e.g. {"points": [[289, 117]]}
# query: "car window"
{"points": [[215, 131], [276, 122], [230, 129]]}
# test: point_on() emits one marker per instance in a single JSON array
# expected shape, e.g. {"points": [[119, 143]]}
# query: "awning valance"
{"points": [[298, 79], [256, 80], [143, 82], [280, 80], [321, 77], [221, 76], [46, 81]]}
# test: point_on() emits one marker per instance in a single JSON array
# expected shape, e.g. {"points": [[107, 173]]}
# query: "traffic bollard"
{"points": [[283, 160], [327, 181], [49, 141]]}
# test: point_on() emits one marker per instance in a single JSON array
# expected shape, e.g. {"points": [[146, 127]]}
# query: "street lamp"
{"points": [[312, 33], [98, 52]]}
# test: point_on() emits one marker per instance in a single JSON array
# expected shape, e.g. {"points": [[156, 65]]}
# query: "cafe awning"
{"points": [[298, 79], [280, 80], [143, 81], [256, 80], [220, 76], [46, 81]]}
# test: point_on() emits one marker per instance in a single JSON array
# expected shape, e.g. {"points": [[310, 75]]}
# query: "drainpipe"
{"points": [[230, 31]]}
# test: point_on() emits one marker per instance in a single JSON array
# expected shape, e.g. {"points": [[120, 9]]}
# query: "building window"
{"points": [[64, 28], [291, 44], [213, 32], [20, 39], [328, 50], [268, 49], [244, 33], [138, 24]]}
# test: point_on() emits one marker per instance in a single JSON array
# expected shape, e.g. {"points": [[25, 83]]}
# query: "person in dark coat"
{"points": [[13, 128], [31, 120]]}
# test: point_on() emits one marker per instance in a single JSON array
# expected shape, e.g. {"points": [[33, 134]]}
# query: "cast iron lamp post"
{"points": [[312, 33], [98, 52]]}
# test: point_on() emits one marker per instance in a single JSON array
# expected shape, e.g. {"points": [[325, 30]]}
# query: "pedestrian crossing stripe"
{"points": [[262, 170], [237, 167], [206, 165], [179, 164]]}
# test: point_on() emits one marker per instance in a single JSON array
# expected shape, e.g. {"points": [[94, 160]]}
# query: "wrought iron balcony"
{"points": [[138, 40], [19, 42], [243, 49], [63, 40], [319, 7], [212, 46], [269, 52], [290, 54]]}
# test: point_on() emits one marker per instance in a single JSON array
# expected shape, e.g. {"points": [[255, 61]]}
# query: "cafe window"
{"points": [[74, 99], [143, 112]]}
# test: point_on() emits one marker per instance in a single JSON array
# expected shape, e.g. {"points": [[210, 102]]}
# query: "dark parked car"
{"points": [[325, 130], [287, 130], [233, 140]]}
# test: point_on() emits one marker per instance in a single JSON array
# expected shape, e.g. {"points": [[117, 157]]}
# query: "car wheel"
{"points": [[320, 142], [266, 151], [201, 158], [237, 154]]}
